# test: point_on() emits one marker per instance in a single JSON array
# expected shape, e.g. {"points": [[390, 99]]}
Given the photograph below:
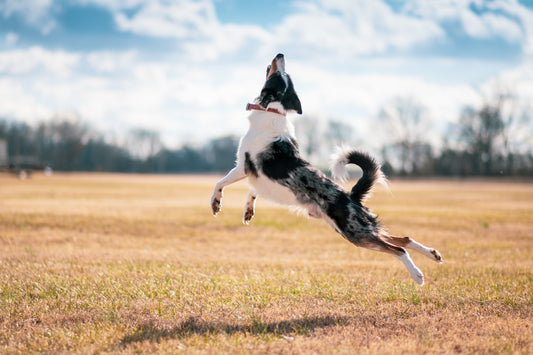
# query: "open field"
{"points": [[137, 264]]}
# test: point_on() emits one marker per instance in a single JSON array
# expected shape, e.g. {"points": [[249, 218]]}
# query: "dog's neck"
{"points": [[274, 107], [271, 123]]}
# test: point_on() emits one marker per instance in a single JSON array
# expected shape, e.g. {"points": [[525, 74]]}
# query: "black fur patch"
{"points": [[364, 216], [290, 100], [280, 159], [338, 210], [370, 174], [249, 166]]}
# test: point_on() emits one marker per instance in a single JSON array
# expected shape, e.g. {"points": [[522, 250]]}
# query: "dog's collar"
{"points": [[251, 107]]}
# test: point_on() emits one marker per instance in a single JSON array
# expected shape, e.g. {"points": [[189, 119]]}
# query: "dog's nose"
{"points": [[279, 56]]}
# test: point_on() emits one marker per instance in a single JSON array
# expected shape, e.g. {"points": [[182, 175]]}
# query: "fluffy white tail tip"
{"points": [[338, 163]]}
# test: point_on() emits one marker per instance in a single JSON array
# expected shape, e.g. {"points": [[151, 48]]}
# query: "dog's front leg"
{"points": [[236, 174], [249, 207]]}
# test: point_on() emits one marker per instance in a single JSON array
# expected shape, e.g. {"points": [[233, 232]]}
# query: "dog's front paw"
{"points": [[215, 206], [248, 215], [216, 202], [436, 255]]}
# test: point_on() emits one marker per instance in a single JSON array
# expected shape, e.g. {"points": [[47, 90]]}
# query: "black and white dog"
{"points": [[268, 156]]}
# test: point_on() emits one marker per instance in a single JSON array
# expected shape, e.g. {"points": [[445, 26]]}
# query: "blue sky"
{"points": [[187, 68]]}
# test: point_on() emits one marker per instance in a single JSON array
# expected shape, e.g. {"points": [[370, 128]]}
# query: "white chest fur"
{"points": [[265, 127]]}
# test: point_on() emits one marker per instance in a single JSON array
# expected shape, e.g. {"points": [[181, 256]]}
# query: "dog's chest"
{"points": [[264, 128]]}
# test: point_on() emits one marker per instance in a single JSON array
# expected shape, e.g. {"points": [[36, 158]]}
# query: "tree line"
{"points": [[64, 144], [492, 140]]}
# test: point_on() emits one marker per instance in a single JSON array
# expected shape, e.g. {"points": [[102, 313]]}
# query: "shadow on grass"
{"points": [[193, 326]]}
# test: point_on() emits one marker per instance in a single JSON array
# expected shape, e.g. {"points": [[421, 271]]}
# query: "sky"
{"points": [[187, 68]]}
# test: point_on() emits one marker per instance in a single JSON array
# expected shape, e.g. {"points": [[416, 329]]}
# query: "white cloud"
{"points": [[518, 80], [19, 102], [351, 28], [232, 40], [34, 12], [346, 28], [503, 21], [194, 24], [523, 14], [500, 26], [175, 19], [36, 60], [111, 62], [115, 5], [200, 93]]}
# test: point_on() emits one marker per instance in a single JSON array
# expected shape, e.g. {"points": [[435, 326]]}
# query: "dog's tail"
{"points": [[371, 171]]}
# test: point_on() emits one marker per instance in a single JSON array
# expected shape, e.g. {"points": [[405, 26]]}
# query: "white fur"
{"points": [[280, 64], [265, 127], [338, 163], [415, 272], [429, 252]]}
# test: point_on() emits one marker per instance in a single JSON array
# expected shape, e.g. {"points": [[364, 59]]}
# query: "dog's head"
{"points": [[279, 88]]}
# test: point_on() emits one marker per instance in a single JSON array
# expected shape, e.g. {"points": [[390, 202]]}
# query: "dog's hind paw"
{"points": [[418, 276], [436, 255]]}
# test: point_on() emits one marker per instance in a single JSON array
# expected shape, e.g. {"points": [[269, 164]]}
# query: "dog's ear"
{"points": [[290, 100], [268, 70], [292, 103]]}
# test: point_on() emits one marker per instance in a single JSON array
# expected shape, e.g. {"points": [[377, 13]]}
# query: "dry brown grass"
{"points": [[120, 263]]}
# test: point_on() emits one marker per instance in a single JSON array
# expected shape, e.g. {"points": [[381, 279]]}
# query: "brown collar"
{"points": [[250, 107]]}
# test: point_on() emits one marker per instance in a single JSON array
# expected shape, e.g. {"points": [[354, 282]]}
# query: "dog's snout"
{"points": [[277, 65]]}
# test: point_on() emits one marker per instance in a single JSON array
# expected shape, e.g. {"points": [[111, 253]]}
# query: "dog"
{"points": [[268, 156]]}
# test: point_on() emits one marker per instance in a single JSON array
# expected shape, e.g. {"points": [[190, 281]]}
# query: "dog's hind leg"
{"points": [[402, 254], [249, 207], [406, 242], [235, 174], [415, 272]]}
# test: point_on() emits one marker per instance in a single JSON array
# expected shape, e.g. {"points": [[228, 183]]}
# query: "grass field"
{"points": [[137, 264]]}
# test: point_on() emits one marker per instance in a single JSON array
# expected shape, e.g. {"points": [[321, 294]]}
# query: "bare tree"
{"points": [[498, 133], [406, 122], [309, 135], [220, 152], [143, 143], [479, 131], [338, 133], [517, 132], [62, 139]]}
